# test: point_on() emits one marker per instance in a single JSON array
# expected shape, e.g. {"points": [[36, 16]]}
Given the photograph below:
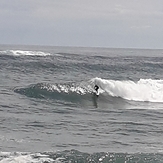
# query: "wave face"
{"points": [[68, 88]]}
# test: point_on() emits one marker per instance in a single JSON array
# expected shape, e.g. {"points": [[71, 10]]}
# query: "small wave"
{"points": [[10, 139], [147, 90], [24, 53]]}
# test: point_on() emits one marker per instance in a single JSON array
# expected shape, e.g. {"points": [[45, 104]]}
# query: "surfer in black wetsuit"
{"points": [[95, 97], [96, 87]]}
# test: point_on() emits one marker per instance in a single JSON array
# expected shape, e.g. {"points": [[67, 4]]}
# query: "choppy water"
{"points": [[49, 112]]}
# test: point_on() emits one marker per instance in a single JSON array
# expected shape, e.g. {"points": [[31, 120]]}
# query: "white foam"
{"points": [[28, 53], [24, 53], [143, 90], [15, 157]]}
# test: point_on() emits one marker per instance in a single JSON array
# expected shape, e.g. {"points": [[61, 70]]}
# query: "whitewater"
{"points": [[49, 111], [143, 90]]}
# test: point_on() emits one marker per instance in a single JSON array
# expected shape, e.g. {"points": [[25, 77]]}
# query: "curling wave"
{"points": [[145, 90]]}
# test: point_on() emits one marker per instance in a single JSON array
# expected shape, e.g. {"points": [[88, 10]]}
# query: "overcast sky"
{"points": [[95, 23]]}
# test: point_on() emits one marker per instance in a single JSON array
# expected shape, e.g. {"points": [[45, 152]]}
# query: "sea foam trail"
{"points": [[142, 90]]}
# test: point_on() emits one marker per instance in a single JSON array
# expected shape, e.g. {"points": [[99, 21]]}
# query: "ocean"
{"points": [[49, 111]]}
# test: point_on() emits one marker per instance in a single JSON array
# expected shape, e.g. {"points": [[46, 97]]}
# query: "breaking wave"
{"points": [[145, 90], [23, 53]]}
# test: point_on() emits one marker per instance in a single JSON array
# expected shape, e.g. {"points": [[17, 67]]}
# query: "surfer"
{"points": [[96, 87]]}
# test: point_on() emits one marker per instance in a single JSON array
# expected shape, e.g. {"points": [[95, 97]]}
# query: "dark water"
{"points": [[49, 111]]}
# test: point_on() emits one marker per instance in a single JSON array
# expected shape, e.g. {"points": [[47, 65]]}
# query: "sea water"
{"points": [[49, 111]]}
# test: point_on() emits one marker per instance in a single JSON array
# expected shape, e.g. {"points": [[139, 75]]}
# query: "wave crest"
{"points": [[24, 53], [58, 91]]}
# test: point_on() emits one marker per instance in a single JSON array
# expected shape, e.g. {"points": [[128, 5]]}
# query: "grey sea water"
{"points": [[49, 111]]}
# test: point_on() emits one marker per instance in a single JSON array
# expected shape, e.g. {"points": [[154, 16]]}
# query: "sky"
{"points": [[83, 23]]}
